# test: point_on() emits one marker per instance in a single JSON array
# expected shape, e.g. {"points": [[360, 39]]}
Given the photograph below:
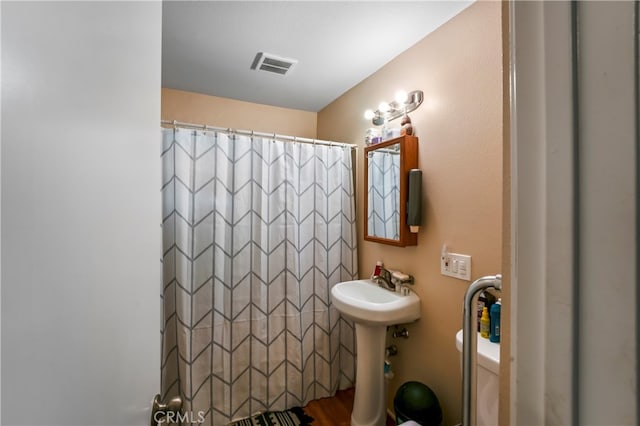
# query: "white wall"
{"points": [[608, 196], [574, 353], [80, 212], [0, 216]]}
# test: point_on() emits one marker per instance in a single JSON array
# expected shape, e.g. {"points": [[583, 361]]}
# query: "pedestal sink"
{"points": [[372, 308]]}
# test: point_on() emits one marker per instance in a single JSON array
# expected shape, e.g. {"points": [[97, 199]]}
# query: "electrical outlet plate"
{"points": [[456, 265]]}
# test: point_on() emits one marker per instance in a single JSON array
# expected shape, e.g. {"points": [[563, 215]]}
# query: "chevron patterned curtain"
{"points": [[255, 233]]}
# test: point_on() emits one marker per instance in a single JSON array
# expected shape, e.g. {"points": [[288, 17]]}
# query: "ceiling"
{"points": [[209, 46]]}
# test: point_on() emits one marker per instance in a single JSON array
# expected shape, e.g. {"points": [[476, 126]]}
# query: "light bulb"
{"points": [[401, 97], [383, 107], [369, 114]]}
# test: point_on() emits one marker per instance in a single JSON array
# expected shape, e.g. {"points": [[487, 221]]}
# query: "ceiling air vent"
{"points": [[272, 63]]}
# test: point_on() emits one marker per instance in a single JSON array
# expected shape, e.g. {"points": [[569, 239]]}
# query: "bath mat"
{"points": [[292, 417]]}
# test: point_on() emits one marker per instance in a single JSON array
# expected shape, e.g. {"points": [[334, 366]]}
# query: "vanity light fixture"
{"points": [[404, 103]]}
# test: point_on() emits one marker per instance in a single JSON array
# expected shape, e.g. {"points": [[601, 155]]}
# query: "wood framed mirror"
{"points": [[386, 182]]}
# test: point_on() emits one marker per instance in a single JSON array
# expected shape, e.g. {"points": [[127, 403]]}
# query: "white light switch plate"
{"points": [[456, 265]]}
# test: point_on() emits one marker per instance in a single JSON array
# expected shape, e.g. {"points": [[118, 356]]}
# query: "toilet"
{"points": [[487, 379]]}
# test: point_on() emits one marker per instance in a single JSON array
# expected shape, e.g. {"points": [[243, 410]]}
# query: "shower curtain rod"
{"points": [[275, 136]]}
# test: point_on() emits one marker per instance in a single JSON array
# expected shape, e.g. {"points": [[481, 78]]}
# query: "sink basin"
{"points": [[372, 308], [366, 302]]}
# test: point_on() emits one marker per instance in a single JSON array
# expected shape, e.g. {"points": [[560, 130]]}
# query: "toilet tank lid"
{"points": [[488, 352]]}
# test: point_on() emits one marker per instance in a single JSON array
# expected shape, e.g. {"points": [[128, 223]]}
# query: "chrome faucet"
{"points": [[384, 279], [401, 281]]}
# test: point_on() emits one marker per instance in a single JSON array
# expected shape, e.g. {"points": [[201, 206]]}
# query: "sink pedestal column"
{"points": [[369, 405]]}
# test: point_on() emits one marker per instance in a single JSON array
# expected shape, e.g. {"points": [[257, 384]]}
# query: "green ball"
{"points": [[416, 401]]}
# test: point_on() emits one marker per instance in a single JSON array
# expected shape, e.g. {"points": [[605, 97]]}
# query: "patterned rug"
{"points": [[292, 417]]}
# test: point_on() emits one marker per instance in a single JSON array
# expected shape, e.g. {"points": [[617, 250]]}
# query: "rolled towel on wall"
{"points": [[414, 200]]}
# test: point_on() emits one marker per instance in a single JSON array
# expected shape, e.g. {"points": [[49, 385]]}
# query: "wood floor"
{"points": [[335, 411]]}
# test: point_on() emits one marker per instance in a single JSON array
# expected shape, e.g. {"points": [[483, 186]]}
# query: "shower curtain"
{"points": [[255, 233]]}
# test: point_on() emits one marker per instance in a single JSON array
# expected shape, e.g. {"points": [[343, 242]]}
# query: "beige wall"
{"points": [[459, 68], [222, 112]]}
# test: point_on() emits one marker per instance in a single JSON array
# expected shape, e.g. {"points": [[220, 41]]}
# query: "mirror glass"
{"points": [[387, 168], [383, 209]]}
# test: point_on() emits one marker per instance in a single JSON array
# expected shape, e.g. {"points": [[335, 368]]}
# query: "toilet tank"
{"points": [[487, 379]]}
